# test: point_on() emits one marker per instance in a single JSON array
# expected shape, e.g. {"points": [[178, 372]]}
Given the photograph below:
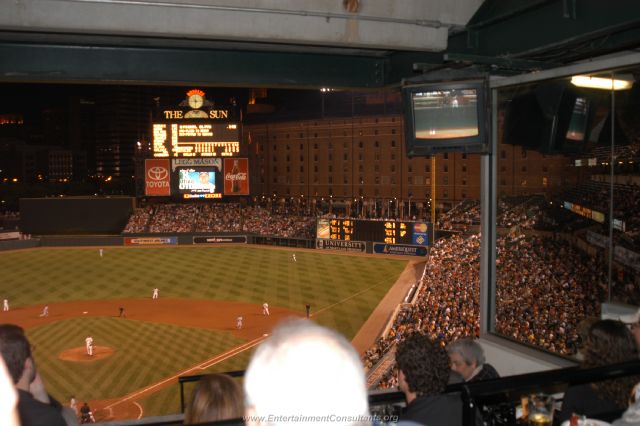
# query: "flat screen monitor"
{"points": [[446, 117], [579, 120]]}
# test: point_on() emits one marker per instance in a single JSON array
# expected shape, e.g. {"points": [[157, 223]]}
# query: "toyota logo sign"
{"points": [[157, 173]]}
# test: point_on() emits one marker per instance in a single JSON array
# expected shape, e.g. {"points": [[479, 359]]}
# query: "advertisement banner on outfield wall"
{"points": [[236, 176], [225, 239], [403, 250], [353, 246], [150, 241], [157, 181]]}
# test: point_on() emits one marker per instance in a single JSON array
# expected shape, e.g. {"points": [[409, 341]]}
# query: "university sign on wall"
{"points": [[157, 180]]}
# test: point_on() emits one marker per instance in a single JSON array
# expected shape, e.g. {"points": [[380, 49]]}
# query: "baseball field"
{"points": [[190, 329]]}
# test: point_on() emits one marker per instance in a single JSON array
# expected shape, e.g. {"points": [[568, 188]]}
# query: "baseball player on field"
{"points": [[89, 344], [265, 309], [73, 404], [155, 293], [239, 323], [45, 311], [5, 305]]}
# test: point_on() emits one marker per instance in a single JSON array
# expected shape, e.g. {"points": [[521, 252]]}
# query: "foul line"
{"points": [[203, 365], [140, 408], [348, 298], [229, 354]]}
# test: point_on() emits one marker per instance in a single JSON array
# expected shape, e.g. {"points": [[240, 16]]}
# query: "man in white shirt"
{"points": [[89, 344]]}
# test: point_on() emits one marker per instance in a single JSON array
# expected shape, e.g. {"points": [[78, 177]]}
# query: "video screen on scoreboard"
{"points": [[205, 181]]}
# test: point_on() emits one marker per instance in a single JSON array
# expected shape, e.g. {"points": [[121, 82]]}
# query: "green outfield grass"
{"points": [[145, 353], [344, 290]]}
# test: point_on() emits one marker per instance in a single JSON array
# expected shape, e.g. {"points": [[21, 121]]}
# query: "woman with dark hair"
{"points": [[216, 397], [608, 342]]}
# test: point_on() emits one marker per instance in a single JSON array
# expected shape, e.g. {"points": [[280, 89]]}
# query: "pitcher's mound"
{"points": [[80, 354]]}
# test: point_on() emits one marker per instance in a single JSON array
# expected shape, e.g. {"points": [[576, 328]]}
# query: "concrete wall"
{"points": [[381, 24]]}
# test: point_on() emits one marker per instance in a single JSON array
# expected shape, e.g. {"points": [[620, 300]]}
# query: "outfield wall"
{"points": [[159, 239], [79, 241], [19, 244], [202, 239], [75, 215]]}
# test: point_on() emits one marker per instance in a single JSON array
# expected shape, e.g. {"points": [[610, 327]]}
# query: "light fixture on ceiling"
{"points": [[620, 82]]}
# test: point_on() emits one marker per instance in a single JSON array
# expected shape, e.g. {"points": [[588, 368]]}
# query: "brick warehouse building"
{"points": [[354, 157]]}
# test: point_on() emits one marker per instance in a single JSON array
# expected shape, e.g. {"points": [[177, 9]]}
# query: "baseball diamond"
{"points": [[191, 329]]}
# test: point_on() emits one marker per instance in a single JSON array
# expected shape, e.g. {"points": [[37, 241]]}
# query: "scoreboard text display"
{"points": [[389, 232], [196, 138]]}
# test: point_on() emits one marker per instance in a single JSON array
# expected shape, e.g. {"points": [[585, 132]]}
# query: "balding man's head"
{"points": [[306, 370]]}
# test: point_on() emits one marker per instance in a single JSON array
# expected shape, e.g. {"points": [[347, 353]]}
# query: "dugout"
{"points": [[75, 215]]}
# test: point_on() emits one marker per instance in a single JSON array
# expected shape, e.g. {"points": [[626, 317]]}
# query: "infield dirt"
{"points": [[208, 314]]}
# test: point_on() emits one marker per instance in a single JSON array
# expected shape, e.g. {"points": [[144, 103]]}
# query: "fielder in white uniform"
{"points": [[265, 309], [45, 311], [5, 305], [294, 257], [155, 293], [89, 343], [101, 252], [239, 323]]}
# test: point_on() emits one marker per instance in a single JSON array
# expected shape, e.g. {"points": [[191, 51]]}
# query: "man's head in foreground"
{"points": [[423, 367], [16, 351], [305, 373]]}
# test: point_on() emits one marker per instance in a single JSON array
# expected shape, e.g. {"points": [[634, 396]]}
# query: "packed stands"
{"points": [[546, 287], [173, 218], [223, 218], [139, 220], [218, 218], [466, 213]]}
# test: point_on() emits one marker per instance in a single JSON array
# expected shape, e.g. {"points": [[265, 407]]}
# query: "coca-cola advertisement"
{"points": [[236, 176], [157, 181]]}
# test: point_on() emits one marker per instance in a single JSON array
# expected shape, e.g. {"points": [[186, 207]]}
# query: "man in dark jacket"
{"points": [[467, 359], [423, 373], [35, 406]]}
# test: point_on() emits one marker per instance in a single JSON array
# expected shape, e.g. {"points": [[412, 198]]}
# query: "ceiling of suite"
{"points": [[501, 37]]}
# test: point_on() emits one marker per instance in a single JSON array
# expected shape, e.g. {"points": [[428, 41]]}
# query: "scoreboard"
{"points": [[201, 138], [389, 231]]}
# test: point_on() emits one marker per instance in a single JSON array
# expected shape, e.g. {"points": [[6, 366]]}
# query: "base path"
{"points": [[208, 314]]}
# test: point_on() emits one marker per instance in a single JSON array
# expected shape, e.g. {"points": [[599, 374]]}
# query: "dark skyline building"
{"points": [[122, 120]]}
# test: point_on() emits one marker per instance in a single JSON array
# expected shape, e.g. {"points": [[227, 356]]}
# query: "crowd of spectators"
{"points": [[446, 307], [524, 213], [139, 220], [223, 218], [546, 288], [258, 220], [173, 218], [465, 213], [218, 218], [596, 196]]}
